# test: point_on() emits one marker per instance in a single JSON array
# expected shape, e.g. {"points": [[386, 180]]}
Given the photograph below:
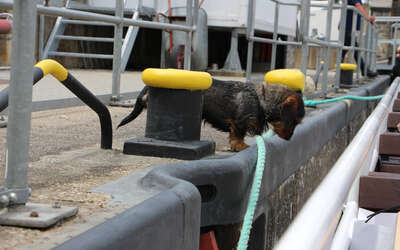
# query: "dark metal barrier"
{"points": [[60, 73]]}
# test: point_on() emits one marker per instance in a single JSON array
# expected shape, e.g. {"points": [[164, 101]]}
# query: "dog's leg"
{"points": [[236, 140]]}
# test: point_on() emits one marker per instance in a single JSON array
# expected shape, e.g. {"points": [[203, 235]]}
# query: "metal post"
{"points": [[116, 74], [353, 36], [341, 42], [375, 46], [250, 34], [189, 34], [305, 10], [41, 36], [367, 46], [361, 45], [328, 49], [232, 62], [20, 99], [195, 12], [275, 36]]}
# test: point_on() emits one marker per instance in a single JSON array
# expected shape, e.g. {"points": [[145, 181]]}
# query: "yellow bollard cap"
{"points": [[49, 66], [292, 78], [176, 79], [348, 66]]}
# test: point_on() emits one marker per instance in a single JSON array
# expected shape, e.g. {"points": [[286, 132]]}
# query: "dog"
{"points": [[243, 109]]}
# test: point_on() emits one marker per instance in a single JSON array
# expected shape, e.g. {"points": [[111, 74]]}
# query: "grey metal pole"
{"points": [[195, 12], [20, 99], [327, 49], [375, 47], [189, 34], [75, 14], [342, 31], [41, 36], [250, 33], [305, 9], [367, 46], [361, 45], [116, 74], [275, 36], [353, 36]]}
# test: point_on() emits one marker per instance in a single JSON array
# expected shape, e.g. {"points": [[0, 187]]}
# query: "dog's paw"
{"points": [[238, 146]]}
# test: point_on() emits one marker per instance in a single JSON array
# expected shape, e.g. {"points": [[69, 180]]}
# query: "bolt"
{"points": [[4, 200], [34, 214], [13, 197], [57, 204]]}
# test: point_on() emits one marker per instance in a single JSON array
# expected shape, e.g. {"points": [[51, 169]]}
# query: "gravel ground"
{"points": [[66, 162]]}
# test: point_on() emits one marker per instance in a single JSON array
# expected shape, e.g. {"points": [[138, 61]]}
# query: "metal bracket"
{"points": [[3, 123], [13, 196], [35, 215]]}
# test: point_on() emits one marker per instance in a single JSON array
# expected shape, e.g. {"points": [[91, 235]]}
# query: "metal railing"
{"points": [[17, 191], [316, 224], [368, 43], [119, 21], [393, 40]]}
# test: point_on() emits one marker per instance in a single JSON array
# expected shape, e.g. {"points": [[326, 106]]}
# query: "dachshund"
{"points": [[244, 109]]}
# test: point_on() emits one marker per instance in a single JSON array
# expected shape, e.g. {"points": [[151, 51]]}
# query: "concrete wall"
{"points": [[172, 204]]}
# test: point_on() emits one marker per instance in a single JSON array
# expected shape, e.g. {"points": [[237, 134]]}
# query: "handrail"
{"points": [[52, 67], [54, 11], [315, 224], [369, 47]]}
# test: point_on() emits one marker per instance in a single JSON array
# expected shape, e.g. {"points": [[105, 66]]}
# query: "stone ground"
{"points": [[66, 162]]}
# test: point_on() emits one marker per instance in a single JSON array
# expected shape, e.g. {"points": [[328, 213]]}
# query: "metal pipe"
{"points": [[384, 19], [275, 36], [353, 36], [305, 9], [250, 33], [268, 40], [313, 226], [189, 34], [367, 46], [342, 32], [116, 73], [54, 11], [20, 100], [327, 49], [361, 43], [41, 36], [321, 43]]}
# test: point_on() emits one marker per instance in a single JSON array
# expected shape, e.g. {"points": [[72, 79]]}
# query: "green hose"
{"points": [[313, 103], [255, 188]]}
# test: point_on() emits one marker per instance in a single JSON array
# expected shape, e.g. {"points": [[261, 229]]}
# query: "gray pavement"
{"points": [[66, 161]]}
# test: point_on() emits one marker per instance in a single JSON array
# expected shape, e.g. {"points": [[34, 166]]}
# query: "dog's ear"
{"points": [[289, 109]]}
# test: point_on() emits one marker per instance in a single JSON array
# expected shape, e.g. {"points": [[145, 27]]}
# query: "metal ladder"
{"points": [[57, 35]]}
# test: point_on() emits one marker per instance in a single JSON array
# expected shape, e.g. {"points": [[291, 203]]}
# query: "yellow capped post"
{"points": [[292, 78], [346, 75], [176, 79], [348, 66], [49, 66]]}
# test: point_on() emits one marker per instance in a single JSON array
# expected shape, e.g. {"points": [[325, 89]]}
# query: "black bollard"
{"points": [[346, 75], [173, 126]]}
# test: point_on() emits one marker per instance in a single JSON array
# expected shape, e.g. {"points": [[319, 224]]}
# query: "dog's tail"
{"points": [[141, 103]]}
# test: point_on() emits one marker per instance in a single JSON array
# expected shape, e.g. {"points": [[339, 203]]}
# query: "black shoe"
{"points": [[371, 73]]}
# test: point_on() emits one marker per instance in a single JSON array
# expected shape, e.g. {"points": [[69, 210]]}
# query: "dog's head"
{"points": [[291, 113]]}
